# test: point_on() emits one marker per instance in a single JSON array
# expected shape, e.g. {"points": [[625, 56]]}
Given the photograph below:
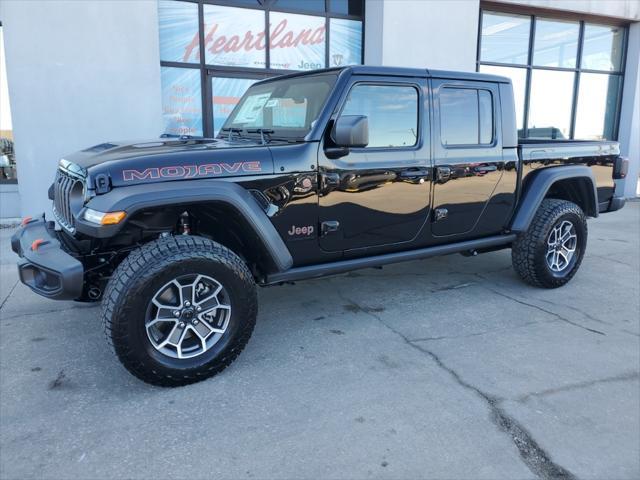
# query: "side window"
{"points": [[466, 116], [392, 111]]}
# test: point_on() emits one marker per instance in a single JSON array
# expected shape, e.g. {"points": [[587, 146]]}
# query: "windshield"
{"points": [[285, 109]]}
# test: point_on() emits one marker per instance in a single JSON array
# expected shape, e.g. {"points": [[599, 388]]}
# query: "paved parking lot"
{"points": [[443, 368]]}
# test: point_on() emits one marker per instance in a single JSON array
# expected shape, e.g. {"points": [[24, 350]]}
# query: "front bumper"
{"points": [[46, 269]]}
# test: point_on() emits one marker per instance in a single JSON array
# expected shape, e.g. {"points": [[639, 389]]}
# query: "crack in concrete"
{"points": [[537, 307], [8, 295], [576, 386], [575, 309], [532, 455], [477, 334]]}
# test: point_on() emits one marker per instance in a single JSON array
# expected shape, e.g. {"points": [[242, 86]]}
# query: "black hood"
{"points": [[130, 163]]}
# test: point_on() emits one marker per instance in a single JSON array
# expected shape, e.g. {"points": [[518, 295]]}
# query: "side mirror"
{"points": [[351, 131]]}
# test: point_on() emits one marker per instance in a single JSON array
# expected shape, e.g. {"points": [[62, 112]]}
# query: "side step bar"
{"points": [[343, 266]]}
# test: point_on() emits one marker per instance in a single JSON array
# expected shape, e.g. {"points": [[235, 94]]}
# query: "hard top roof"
{"points": [[403, 72]]}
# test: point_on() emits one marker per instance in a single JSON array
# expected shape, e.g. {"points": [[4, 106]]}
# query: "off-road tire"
{"points": [[131, 288], [528, 252]]}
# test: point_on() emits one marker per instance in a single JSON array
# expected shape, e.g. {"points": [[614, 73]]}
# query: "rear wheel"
{"points": [[550, 252], [179, 310]]}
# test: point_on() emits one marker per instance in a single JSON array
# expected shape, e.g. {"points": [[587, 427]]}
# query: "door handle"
{"points": [[329, 181], [443, 174], [485, 168], [416, 173]]}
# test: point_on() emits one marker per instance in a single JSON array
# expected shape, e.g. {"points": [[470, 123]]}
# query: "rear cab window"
{"points": [[466, 116]]}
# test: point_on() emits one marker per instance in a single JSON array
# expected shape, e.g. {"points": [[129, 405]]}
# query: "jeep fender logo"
{"points": [[301, 231], [191, 171]]}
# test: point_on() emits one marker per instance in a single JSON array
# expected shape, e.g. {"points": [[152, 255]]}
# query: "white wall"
{"points": [[625, 9], [437, 34], [79, 73]]}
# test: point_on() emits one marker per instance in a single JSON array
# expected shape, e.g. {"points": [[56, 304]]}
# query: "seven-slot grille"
{"points": [[62, 208]]}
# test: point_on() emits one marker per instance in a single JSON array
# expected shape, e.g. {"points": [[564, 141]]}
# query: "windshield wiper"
{"points": [[263, 132], [231, 131]]}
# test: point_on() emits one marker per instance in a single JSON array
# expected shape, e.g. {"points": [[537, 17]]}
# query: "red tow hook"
{"points": [[25, 220], [37, 243]]}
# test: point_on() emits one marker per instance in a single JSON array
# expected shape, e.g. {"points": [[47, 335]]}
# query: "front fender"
{"points": [[538, 186], [136, 198]]}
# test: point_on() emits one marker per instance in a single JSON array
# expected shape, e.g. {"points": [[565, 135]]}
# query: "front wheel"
{"points": [[550, 252], [179, 310]]}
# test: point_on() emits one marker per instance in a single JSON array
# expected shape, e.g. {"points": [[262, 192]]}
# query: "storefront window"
{"points": [[602, 48], [8, 172], [505, 38], [181, 101], [234, 51], [518, 78], [226, 93], [297, 42], [597, 102], [346, 7], [569, 85], [345, 43], [550, 104], [556, 43], [234, 37], [178, 27], [310, 5]]}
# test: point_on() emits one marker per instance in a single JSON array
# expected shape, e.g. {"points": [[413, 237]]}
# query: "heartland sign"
{"points": [[282, 36], [237, 37]]}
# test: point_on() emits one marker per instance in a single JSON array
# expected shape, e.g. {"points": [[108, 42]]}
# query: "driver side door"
{"points": [[378, 195]]}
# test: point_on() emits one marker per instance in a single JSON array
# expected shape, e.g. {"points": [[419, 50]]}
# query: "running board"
{"points": [[343, 266]]}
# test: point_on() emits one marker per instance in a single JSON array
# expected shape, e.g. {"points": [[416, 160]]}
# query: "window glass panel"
{"points": [[309, 5], [597, 105], [556, 43], [602, 48], [297, 41], [288, 106], [518, 78], [178, 25], [392, 112], [226, 93], [346, 7], [181, 101], [485, 104], [505, 38], [234, 36], [345, 42], [550, 104], [459, 116]]}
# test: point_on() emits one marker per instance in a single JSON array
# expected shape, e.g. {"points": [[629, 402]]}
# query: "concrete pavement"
{"points": [[443, 368]]}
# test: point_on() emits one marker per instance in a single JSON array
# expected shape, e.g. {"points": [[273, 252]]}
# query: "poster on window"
{"points": [[178, 24], [297, 41], [181, 101], [234, 37], [345, 42], [226, 93]]}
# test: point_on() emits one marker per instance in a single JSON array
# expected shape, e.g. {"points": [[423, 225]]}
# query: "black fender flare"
{"points": [[135, 198], [540, 183]]}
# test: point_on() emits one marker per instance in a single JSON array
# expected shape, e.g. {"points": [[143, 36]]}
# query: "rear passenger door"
{"points": [[467, 154]]}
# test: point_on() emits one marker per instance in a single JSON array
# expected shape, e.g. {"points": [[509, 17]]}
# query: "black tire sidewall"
{"points": [[130, 315], [543, 270]]}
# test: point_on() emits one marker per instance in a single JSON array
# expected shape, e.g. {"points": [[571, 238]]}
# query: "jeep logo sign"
{"points": [[301, 232]]}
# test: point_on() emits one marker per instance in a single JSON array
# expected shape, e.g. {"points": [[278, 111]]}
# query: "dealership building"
{"points": [[80, 73]]}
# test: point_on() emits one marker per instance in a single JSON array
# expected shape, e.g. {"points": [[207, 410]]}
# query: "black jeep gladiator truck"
{"points": [[312, 174]]}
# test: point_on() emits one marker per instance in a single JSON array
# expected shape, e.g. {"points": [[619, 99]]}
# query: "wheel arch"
{"points": [[226, 213], [575, 183]]}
